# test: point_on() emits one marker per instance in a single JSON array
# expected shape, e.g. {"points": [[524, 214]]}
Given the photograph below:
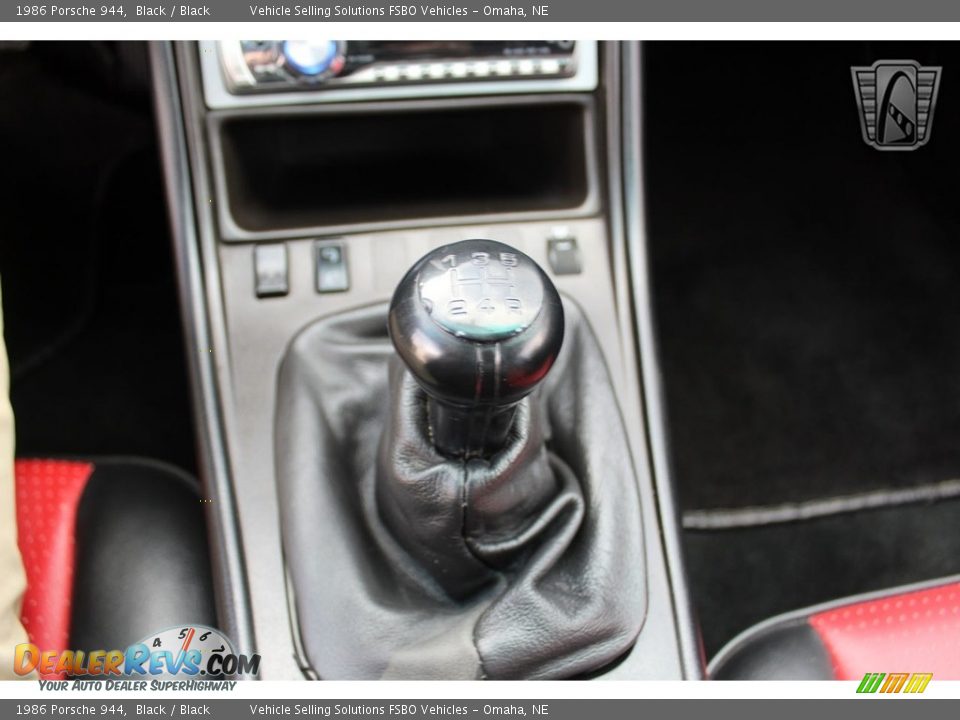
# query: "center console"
{"points": [[305, 180]]}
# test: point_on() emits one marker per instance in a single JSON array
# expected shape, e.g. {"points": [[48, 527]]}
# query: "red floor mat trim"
{"points": [[914, 632], [48, 492]]}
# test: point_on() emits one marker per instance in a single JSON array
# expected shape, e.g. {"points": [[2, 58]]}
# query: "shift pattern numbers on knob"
{"points": [[481, 294], [478, 324]]}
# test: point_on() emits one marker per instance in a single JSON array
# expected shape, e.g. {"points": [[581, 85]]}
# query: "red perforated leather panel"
{"points": [[48, 492], [911, 632]]}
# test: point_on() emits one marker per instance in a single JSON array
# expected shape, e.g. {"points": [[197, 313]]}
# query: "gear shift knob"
{"points": [[479, 324]]}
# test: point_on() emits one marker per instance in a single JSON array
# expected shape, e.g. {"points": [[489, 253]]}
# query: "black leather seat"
{"points": [[114, 549], [914, 629], [141, 555]]}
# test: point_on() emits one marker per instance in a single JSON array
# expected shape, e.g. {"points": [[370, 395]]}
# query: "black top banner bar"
{"points": [[482, 11]]}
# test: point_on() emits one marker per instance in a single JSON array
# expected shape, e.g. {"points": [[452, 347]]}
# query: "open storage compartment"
{"points": [[295, 170]]}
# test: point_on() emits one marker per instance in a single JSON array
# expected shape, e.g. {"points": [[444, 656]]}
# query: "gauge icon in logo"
{"points": [[197, 651]]}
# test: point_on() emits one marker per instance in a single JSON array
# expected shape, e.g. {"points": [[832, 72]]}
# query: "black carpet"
{"points": [[90, 307], [806, 296], [740, 577]]}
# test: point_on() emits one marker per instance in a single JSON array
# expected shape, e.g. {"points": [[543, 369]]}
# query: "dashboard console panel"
{"points": [[242, 73]]}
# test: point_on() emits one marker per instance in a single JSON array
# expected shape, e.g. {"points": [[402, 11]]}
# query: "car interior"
{"points": [[484, 359]]}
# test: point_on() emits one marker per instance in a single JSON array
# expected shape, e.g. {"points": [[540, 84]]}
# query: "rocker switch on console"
{"points": [[270, 270], [563, 253], [332, 273]]}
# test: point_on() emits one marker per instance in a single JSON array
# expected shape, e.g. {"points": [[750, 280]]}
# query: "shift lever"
{"points": [[479, 324]]}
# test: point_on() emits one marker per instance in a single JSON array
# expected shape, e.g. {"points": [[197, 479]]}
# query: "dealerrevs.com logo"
{"points": [[194, 651]]}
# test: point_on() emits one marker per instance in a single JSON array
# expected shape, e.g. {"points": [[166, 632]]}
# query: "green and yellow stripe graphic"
{"points": [[894, 682]]}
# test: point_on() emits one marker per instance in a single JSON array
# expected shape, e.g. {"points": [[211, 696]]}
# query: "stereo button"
{"points": [[313, 58]]}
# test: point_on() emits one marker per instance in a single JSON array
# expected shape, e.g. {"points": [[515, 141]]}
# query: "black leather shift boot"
{"points": [[408, 564]]}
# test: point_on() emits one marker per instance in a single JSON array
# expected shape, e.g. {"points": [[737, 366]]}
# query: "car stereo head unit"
{"points": [[244, 72]]}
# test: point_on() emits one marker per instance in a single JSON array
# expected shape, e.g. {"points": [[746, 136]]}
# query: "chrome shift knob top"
{"points": [[479, 324]]}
